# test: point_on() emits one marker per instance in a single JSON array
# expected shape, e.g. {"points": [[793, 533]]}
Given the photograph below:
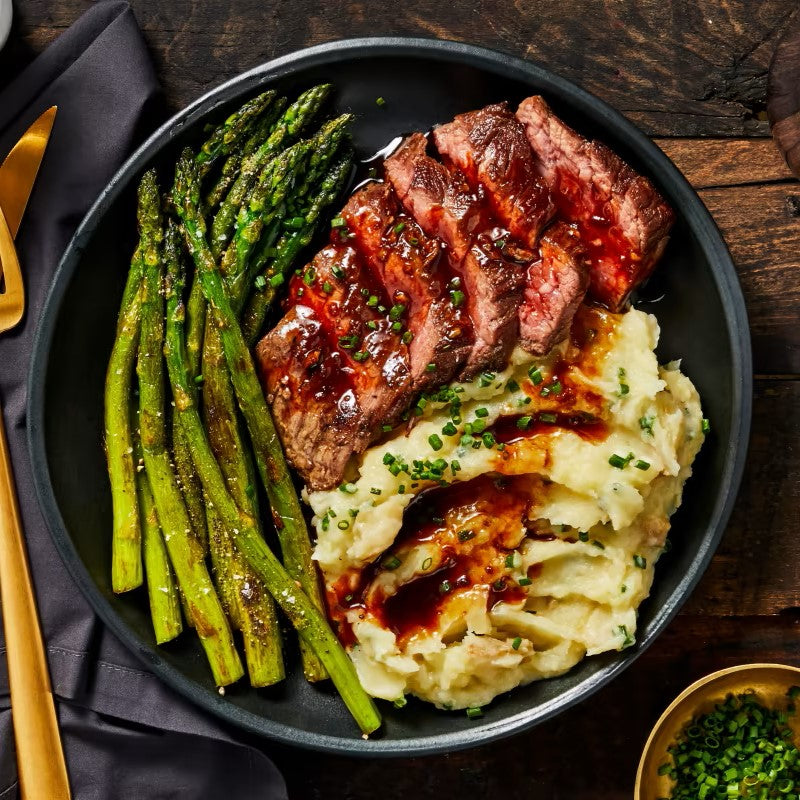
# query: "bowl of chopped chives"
{"points": [[733, 734]]}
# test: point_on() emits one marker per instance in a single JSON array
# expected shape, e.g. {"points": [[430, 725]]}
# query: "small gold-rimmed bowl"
{"points": [[769, 683]]}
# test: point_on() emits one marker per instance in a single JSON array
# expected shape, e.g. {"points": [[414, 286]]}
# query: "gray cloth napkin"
{"points": [[126, 735]]}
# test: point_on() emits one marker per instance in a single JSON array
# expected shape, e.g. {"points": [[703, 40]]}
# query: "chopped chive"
{"points": [[486, 379], [523, 423], [337, 222], [481, 412], [474, 712], [643, 465], [372, 325], [407, 337], [583, 536], [388, 458], [375, 490], [399, 227], [478, 425], [413, 240], [646, 424], [444, 587], [372, 301], [198, 379], [401, 489], [550, 419], [510, 560], [327, 287], [435, 442], [624, 389], [466, 535], [401, 702], [512, 386], [488, 440], [275, 280], [524, 581], [617, 461], [361, 355], [449, 429], [396, 311], [430, 367], [308, 277], [639, 561], [457, 297], [386, 428], [467, 440], [597, 543], [397, 327], [343, 524], [516, 643], [455, 466], [261, 282], [705, 425], [392, 563], [426, 564], [338, 272], [535, 374], [379, 101]]}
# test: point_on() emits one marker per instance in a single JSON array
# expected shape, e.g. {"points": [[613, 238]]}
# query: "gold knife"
{"points": [[18, 171]]}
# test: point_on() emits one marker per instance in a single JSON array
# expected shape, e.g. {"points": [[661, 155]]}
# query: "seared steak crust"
{"points": [[415, 276], [556, 285], [490, 148], [333, 369], [623, 220], [444, 205]]}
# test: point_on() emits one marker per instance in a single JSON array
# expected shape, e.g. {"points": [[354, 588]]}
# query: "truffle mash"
{"points": [[512, 525]]}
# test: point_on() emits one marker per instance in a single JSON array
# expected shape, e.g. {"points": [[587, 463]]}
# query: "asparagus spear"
{"points": [[290, 244], [186, 557], [249, 605], [165, 607], [126, 542], [274, 184], [306, 617], [226, 137], [286, 129], [286, 512], [233, 164]]}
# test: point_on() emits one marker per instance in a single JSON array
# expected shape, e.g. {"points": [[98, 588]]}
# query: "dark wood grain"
{"points": [[689, 68], [694, 74]]}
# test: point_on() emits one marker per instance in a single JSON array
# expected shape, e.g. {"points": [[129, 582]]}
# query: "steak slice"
{"points": [[490, 148], [556, 285], [443, 204], [623, 220], [409, 265], [332, 368]]}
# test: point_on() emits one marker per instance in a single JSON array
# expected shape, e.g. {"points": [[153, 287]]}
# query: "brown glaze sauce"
{"points": [[471, 526]]}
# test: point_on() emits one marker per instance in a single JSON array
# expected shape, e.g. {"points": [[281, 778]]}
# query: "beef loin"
{"points": [[410, 266], [444, 205], [333, 368], [490, 148], [622, 219], [556, 285]]}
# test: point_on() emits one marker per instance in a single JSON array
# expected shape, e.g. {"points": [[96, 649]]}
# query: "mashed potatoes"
{"points": [[512, 527]]}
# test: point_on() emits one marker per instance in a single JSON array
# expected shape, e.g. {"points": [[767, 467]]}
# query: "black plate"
{"points": [[702, 316]]}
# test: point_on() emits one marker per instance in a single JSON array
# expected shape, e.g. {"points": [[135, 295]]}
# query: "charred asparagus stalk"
{"points": [[126, 542], [286, 512], [227, 136], [232, 166], [162, 592], [289, 245], [185, 555], [306, 617], [291, 123]]}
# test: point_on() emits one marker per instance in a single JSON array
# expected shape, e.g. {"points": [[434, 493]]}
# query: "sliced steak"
{"points": [[556, 285], [444, 205], [623, 220], [415, 276], [332, 368], [490, 148]]}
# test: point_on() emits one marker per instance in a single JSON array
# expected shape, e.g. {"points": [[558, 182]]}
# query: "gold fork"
{"points": [[40, 757]]}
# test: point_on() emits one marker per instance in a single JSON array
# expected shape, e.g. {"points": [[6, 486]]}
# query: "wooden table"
{"points": [[692, 75]]}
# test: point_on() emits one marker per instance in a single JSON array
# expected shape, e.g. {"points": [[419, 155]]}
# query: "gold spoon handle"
{"points": [[40, 757]]}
